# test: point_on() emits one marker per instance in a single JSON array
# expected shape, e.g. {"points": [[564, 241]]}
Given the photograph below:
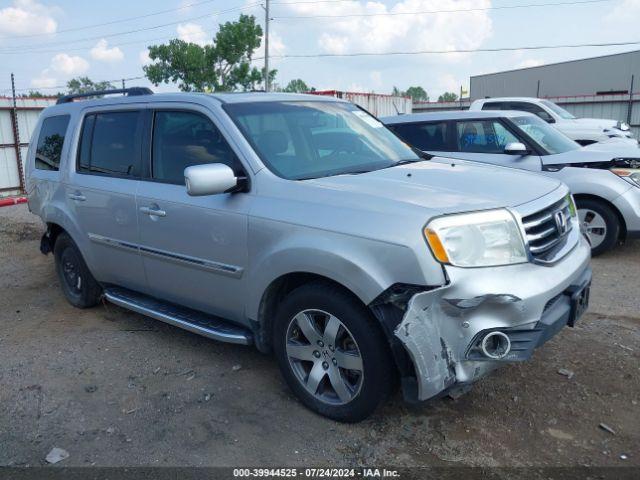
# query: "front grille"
{"points": [[544, 232]]}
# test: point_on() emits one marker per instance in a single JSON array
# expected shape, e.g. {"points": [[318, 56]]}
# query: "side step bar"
{"points": [[181, 317]]}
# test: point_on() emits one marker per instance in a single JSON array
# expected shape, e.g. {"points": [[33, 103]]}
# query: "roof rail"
{"points": [[130, 92]]}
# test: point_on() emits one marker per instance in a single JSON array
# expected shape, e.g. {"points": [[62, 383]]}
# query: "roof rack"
{"points": [[130, 92]]}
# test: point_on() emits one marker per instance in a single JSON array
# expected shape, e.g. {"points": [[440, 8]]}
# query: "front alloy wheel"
{"points": [[324, 357], [594, 226], [600, 224], [332, 352]]}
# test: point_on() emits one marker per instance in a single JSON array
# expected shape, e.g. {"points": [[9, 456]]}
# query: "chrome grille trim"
{"points": [[544, 237]]}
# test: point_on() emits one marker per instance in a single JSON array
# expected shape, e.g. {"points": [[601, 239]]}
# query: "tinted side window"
{"points": [[493, 106], [424, 136], [50, 142], [526, 107], [483, 136], [110, 144], [182, 139]]}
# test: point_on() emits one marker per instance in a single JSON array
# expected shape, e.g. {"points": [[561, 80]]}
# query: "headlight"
{"points": [[631, 175], [480, 239]]}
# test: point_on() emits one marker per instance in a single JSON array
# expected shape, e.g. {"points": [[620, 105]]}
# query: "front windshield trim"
{"points": [[377, 152]]}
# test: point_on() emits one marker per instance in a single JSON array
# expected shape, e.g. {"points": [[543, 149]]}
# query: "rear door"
{"points": [[194, 248], [430, 137], [101, 194], [484, 140]]}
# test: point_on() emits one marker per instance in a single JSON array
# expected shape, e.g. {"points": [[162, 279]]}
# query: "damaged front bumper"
{"points": [[442, 329]]}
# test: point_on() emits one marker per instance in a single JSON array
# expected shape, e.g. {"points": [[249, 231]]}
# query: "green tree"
{"points": [[448, 97], [222, 66], [86, 85], [297, 86], [418, 94]]}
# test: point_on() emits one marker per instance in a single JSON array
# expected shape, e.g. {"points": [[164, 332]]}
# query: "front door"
{"points": [[484, 140], [194, 249]]}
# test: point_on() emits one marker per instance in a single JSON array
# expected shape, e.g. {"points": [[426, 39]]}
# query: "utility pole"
{"points": [[123, 84], [16, 134], [266, 46]]}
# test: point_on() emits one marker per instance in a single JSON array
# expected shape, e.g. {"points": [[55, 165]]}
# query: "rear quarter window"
{"points": [[493, 106], [50, 142], [424, 136]]}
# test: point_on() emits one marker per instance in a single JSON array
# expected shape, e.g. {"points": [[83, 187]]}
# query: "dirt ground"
{"points": [[114, 388]]}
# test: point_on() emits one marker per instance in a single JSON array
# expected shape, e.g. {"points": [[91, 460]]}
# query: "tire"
{"points": [[602, 224], [78, 285], [307, 316]]}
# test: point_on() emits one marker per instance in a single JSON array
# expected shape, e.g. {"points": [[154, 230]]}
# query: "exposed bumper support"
{"points": [[442, 328]]}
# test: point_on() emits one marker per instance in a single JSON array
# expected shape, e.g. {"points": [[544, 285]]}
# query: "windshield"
{"points": [[310, 139], [545, 135], [561, 112]]}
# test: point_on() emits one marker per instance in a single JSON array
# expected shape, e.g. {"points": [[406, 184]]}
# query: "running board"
{"points": [[181, 317]]}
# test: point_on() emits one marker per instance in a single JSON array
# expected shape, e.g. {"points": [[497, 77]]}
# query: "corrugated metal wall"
{"points": [[375, 103], [587, 76], [28, 111]]}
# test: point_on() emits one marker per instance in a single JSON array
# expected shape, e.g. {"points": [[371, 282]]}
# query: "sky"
{"points": [[47, 42]]}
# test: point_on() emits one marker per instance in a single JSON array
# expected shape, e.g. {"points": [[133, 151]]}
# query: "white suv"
{"points": [[585, 131]]}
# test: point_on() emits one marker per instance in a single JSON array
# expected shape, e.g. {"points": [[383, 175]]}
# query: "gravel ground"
{"points": [[114, 388]]}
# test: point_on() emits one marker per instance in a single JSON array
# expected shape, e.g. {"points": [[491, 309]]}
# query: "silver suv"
{"points": [[301, 225]]}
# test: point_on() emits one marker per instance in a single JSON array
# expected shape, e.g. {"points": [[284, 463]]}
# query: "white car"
{"points": [[585, 131]]}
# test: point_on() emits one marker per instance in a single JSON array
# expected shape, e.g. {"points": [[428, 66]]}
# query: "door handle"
{"points": [[77, 196], [153, 211]]}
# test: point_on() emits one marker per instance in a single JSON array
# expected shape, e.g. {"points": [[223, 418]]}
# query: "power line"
{"points": [[56, 87], [479, 9], [469, 50], [27, 48], [82, 49], [313, 1], [113, 22]]}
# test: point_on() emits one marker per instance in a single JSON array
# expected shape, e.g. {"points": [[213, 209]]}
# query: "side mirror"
{"points": [[210, 179], [516, 148]]}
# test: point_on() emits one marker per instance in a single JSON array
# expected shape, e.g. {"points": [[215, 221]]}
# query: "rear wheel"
{"points": [[332, 353], [600, 223], [78, 285]]}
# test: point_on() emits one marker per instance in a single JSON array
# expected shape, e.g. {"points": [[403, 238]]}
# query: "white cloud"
{"points": [[143, 56], [103, 53], [45, 80], [193, 33], [26, 17], [69, 65], [530, 62], [410, 32], [624, 14]]}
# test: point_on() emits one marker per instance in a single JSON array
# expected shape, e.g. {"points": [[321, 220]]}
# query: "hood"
{"points": [[441, 185], [603, 154], [618, 147], [599, 123]]}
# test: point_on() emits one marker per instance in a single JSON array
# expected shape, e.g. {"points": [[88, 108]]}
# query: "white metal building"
{"points": [[599, 87], [378, 104], [14, 138]]}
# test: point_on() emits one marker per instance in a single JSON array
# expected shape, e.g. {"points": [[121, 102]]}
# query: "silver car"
{"points": [[302, 226], [604, 180]]}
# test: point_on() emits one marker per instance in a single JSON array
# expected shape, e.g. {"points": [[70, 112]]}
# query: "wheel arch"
{"points": [[276, 291]]}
